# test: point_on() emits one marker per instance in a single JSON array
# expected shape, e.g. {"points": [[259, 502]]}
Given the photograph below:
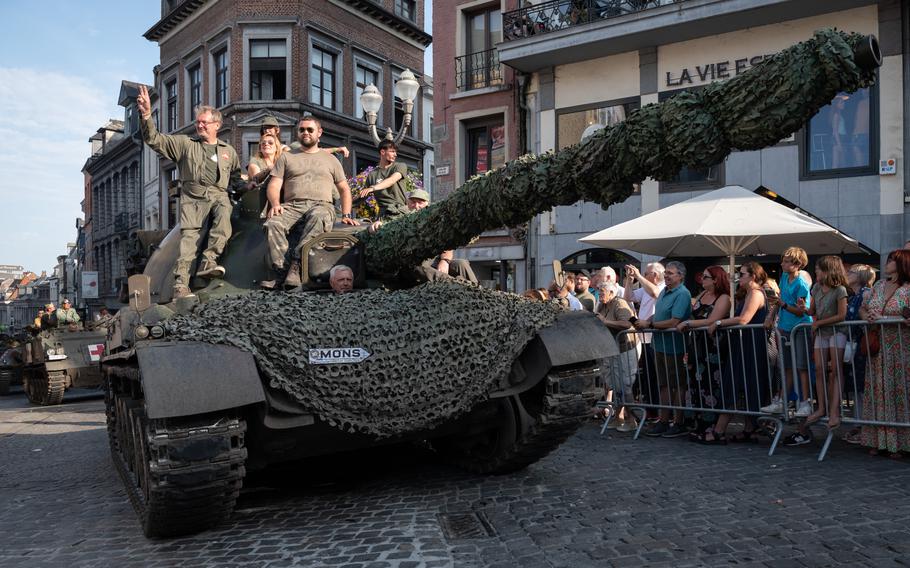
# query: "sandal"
{"points": [[744, 438], [716, 438]]}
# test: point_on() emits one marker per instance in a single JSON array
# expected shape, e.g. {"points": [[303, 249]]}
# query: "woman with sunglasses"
{"points": [[747, 365], [261, 164]]}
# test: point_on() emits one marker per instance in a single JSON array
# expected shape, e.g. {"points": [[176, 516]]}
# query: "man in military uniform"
{"points": [[308, 175], [49, 319], [443, 265], [67, 313], [207, 168], [387, 183]]}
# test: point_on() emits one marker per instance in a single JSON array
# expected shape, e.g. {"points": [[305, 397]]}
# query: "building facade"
{"points": [[591, 69], [251, 59], [477, 122]]}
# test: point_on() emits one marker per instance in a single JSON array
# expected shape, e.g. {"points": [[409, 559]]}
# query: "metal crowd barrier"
{"points": [[859, 371], [725, 372]]}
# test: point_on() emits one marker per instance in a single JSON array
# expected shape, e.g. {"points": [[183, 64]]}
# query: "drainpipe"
{"points": [[905, 63], [524, 118]]}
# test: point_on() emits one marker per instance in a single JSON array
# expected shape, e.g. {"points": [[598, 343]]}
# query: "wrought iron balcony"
{"points": [[478, 70], [536, 19]]}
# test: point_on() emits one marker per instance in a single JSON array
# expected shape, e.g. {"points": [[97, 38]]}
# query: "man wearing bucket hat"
{"points": [[445, 263]]}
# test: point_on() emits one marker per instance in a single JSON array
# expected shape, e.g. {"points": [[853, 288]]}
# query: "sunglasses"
{"points": [[309, 129], [206, 122], [707, 277]]}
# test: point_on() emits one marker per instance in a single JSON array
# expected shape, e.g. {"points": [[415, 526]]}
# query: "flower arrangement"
{"points": [[368, 208]]}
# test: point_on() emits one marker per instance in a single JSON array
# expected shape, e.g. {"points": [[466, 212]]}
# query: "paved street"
{"points": [[594, 502]]}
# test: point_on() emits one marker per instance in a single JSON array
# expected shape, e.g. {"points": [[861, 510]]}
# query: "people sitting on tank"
{"points": [[341, 279], [443, 265], [67, 313], [49, 319], [207, 168], [270, 126], [387, 182], [12, 355], [37, 323], [308, 175]]}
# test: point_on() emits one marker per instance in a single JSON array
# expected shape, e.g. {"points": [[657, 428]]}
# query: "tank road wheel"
{"points": [[45, 387], [520, 430], [183, 474]]}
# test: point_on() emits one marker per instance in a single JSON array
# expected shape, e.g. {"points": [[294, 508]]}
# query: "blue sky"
{"points": [[61, 63]]}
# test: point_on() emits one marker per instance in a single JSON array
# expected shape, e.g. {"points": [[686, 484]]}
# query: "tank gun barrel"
{"points": [[753, 110]]}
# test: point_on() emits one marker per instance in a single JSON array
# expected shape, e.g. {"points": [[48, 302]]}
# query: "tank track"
{"points": [[46, 387], [182, 475], [566, 405]]}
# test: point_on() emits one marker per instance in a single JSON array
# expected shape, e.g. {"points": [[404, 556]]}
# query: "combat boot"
{"points": [[210, 269], [292, 280], [276, 277], [181, 291]]}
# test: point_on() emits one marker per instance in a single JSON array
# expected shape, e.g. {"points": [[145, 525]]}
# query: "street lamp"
{"points": [[406, 88]]}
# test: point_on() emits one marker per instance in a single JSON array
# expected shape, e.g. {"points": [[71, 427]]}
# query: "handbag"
{"points": [[873, 342]]}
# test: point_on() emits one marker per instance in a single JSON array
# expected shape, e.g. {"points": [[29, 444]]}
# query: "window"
{"points": [[322, 77], [486, 148], [171, 90], [363, 76], [407, 9], [840, 139], [689, 179], [268, 69], [194, 74], [172, 195], [480, 66], [221, 78], [573, 125]]}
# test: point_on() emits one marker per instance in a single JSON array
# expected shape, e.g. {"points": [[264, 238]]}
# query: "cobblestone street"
{"points": [[594, 502]]}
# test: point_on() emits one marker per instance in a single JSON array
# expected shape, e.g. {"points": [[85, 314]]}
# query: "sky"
{"points": [[61, 63]]}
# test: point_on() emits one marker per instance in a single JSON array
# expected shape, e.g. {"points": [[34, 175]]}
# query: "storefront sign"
{"points": [[712, 71], [887, 167]]}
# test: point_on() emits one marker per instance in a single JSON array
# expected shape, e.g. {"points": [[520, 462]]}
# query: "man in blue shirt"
{"points": [[674, 305]]}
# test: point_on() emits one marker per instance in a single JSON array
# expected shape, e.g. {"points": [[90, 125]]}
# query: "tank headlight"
{"points": [[157, 332], [142, 332], [60, 351]]}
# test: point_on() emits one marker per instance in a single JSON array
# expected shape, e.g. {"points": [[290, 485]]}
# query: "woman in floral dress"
{"points": [[888, 372]]}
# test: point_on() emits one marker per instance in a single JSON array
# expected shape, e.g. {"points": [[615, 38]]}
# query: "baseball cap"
{"points": [[420, 194]]}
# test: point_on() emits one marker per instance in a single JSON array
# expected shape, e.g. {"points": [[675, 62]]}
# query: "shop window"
{"points": [[575, 124], [841, 138], [692, 179]]}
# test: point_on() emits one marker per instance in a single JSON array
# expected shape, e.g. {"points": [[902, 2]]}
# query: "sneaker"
{"points": [[854, 436], [658, 429], [797, 439], [776, 406], [209, 269], [627, 425], [805, 409], [674, 431]]}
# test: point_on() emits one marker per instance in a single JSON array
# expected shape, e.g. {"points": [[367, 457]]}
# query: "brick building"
{"points": [[253, 58], [476, 121]]}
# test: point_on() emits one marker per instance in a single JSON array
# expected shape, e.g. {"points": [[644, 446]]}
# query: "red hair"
{"points": [[901, 259], [721, 280]]}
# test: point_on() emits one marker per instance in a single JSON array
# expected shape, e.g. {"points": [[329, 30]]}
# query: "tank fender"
{"points": [[185, 378], [574, 337]]}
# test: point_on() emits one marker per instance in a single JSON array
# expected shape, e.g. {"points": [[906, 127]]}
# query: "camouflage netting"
{"points": [[437, 349], [695, 129]]}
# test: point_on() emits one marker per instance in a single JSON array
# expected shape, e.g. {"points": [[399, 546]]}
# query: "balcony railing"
{"points": [[536, 19], [478, 70]]}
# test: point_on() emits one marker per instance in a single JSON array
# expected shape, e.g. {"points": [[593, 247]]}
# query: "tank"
{"points": [[201, 390], [61, 358], [12, 362]]}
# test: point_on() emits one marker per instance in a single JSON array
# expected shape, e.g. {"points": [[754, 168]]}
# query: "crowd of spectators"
{"points": [[732, 347]]}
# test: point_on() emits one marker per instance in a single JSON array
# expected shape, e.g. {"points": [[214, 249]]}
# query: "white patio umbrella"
{"points": [[732, 221]]}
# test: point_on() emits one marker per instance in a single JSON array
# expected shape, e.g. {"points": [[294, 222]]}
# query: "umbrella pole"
{"points": [[732, 284]]}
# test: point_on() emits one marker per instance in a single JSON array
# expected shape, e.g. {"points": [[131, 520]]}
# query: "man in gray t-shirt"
{"points": [[307, 176]]}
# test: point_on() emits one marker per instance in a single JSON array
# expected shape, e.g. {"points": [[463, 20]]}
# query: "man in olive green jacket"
{"points": [[67, 313], [207, 167]]}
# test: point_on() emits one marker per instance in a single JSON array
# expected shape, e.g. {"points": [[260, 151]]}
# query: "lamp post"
{"points": [[406, 88]]}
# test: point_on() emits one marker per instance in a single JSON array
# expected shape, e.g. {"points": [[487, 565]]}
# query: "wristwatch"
{"points": [[347, 215]]}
